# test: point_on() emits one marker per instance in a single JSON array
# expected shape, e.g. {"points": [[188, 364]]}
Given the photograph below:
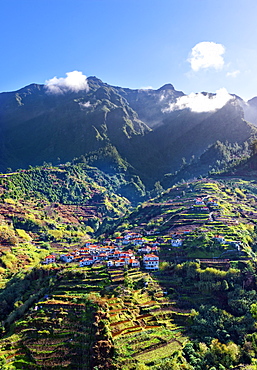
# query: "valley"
{"points": [[195, 309], [128, 185], [127, 230]]}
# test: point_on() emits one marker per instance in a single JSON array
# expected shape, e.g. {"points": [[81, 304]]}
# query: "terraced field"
{"points": [[119, 318], [59, 331], [89, 315], [144, 324]]}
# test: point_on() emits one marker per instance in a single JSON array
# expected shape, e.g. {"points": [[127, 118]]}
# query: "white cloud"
{"points": [[146, 88], [206, 55], [75, 81], [201, 102], [233, 74], [85, 105]]}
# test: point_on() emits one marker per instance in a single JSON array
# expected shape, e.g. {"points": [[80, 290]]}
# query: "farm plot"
{"points": [[59, 331], [116, 275], [144, 324]]}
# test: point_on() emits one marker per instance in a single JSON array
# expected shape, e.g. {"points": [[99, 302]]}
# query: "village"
{"points": [[192, 222], [112, 253], [150, 270], [138, 248]]}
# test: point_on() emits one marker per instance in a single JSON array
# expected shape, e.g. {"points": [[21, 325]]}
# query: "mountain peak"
{"points": [[94, 79], [166, 87]]}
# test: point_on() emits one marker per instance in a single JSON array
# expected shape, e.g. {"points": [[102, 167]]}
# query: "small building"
{"points": [[107, 242], [187, 231], [84, 251], [67, 258], [110, 263], [120, 263], [117, 254], [138, 241], [155, 249], [49, 259], [86, 262], [151, 262], [235, 244], [145, 249], [103, 256], [149, 232], [176, 243], [134, 263], [199, 201]]}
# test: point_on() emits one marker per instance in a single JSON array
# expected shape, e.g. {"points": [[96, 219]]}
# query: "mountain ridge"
{"points": [[147, 132]]}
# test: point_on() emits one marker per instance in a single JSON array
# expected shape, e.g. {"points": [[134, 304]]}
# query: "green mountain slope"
{"points": [[72, 194], [189, 134], [199, 308], [147, 139], [36, 126]]}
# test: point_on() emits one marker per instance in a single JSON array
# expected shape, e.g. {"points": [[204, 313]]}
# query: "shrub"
{"points": [[22, 234]]}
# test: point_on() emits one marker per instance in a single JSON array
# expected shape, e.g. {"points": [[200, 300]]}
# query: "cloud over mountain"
{"points": [[75, 81], [233, 74], [206, 55], [200, 102]]}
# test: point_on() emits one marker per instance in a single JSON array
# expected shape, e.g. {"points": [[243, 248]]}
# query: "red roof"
{"points": [[87, 259], [151, 255]]}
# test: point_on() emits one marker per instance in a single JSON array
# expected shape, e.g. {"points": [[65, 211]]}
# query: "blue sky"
{"points": [[197, 45]]}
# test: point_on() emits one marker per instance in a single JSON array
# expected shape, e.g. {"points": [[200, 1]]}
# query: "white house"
{"points": [[120, 263], [145, 249], [84, 251], [138, 241], [151, 262], [199, 201], [117, 254], [134, 263], [132, 236], [127, 254], [187, 231], [205, 209], [176, 242], [86, 262], [49, 259], [103, 256], [149, 232], [67, 257], [95, 257], [212, 203], [110, 263]]}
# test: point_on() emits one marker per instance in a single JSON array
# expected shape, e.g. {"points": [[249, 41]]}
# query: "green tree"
{"points": [[158, 188]]}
